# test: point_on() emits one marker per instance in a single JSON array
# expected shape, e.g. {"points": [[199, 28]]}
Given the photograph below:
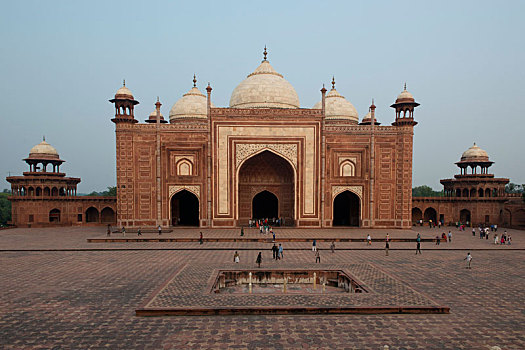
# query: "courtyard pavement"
{"points": [[60, 292]]}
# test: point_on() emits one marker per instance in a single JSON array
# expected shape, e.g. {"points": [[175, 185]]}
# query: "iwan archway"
{"points": [[266, 188], [184, 209], [346, 209]]}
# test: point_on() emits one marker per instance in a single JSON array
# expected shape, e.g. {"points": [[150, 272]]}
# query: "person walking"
{"points": [[201, 240], [418, 244], [108, 230], [242, 231], [139, 232], [332, 247], [468, 258], [449, 237], [280, 255], [509, 239], [236, 257], [495, 238], [123, 231], [317, 257], [368, 239], [258, 261], [387, 245], [273, 234], [160, 230], [314, 246], [275, 251]]}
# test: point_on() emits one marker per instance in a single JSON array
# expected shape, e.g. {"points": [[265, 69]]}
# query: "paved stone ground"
{"points": [[87, 298]]}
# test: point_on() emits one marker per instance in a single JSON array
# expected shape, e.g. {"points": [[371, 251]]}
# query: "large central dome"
{"points": [[264, 88]]}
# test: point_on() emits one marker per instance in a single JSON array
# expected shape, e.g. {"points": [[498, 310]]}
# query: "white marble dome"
{"points": [[192, 105], [264, 88], [337, 107], [475, 154], [43, 149], [405, 96], [124, 93]]}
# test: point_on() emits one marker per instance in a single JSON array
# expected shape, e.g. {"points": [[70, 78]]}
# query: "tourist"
{"points": [[314, 245], [236, 257], [273, 234], [275, 251], [418, 244], [108, 230], [368, 239], [139, 232], [474, 232], [387, 245], [317, 257], [449, 237], [503, 239], [123, 231], [509, 239], [469, 259], [430, 223], [444, 237], [438, 240], [200, 238], [242, 231], [495, 238], [332, 246], [496, 228], [258, 261], [160, 230], [280, 255]]}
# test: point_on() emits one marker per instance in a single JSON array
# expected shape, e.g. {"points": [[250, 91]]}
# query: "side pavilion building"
{"points": [[263, 156]]}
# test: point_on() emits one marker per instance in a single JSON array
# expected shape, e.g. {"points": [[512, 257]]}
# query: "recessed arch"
{"points": [[38, 191], [266, 170], [346, 209], [265, 204], [184, 208], [92, 215], [465, 216], [47, 191], [184, 167], [107, 215], [430, 214], [347, 168], [54, 215], [417, 215], [54, 192]]}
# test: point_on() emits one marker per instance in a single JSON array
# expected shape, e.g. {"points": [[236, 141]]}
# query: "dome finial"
{"points": [[333, 82], [158, 99], [265, 53], [123, 82], [194, 81], [405, 86], [44, 138]]}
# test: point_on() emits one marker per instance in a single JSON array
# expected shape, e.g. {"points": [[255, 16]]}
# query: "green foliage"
{"points": [[425, 191], [514, 188], [111, 191], [5, 208]]}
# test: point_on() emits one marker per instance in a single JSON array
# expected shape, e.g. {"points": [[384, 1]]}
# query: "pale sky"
{"points": [[61, 61]]}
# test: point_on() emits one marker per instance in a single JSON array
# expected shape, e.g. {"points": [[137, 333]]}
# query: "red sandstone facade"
{"points": [[224, 166]]}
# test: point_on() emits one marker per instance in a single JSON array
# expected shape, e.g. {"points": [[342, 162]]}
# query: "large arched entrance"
{"points": [[266, 174], [54, 215], [265, 205], [464, 216], [417, 215], [346, 209], [184, 209], [430, 214]]}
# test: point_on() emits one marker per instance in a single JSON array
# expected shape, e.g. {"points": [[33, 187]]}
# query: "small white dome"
{"points": [[474, 154], [43, 149], [405, 96], [124, 93], [337, 107], [193, 104], [264, 88]]}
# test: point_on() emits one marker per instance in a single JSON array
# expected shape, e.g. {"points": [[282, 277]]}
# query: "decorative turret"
{"points": [[473, 158], [156, 115], [124, 105], [41, 155], [404, 106], [371, 115]]}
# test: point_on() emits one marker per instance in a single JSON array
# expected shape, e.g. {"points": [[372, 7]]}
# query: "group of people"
{"points": [[484, 232], [444, 237], [266, 222]]}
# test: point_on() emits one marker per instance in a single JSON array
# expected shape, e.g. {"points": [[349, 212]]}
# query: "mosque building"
{"points": [[264, 156]]}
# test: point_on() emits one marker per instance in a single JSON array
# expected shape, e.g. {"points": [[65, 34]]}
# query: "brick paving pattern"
{"points": [[87, 299]]}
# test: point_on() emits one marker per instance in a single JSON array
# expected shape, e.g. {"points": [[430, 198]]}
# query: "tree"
{"points": [[514, 188], [111, 191], [425, 191], [5, 208]]}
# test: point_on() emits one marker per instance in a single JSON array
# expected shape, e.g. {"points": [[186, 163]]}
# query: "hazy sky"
{"points": [[61, 61]]}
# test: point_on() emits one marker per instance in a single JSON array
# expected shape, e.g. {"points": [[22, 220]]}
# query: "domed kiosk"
{"points": [[337, 107]]}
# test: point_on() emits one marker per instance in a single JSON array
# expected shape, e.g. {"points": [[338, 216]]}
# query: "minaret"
{"points": [[404, 106], [124, 105]]}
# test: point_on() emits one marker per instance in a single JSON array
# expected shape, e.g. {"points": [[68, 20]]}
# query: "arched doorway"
{"points": [[346, 209], [430, 214], [92, 214], [184, 209], [265, 205], [266, 172], [54, 215], [519, 218], [417, 215], [107, 215], [464, 216]]}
